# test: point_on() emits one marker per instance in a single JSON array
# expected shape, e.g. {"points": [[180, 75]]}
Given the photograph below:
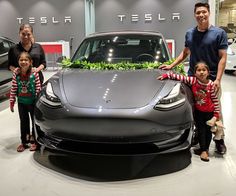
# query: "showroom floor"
{"points": [[23, 175]]}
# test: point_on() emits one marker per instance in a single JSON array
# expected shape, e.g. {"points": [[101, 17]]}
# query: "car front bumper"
{"points": [[180, 140]]}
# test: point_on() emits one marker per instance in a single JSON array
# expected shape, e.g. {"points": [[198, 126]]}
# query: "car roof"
{"points": [[128, 32], [6, 38]]}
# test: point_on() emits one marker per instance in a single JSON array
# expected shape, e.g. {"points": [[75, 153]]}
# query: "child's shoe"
{"points": [[21, 147], [33, 147], [204, 156]]}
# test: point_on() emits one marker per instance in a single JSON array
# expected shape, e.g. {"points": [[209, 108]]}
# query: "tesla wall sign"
{"points": [[45, 20], [148, 17]]}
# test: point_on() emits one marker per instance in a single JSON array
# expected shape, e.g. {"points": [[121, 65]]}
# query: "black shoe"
{"points": [[220, 146]]}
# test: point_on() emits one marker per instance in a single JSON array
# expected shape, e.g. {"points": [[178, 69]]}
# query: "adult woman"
{"points": [[27, 44]]}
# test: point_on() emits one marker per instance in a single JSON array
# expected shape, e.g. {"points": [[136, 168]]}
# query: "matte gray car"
{"points": [[115, 111]]}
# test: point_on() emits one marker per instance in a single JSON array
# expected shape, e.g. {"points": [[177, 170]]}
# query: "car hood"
{"points": [[110, 89]]}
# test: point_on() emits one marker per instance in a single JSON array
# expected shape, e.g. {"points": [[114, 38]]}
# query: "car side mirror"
{"points": [[60, 59]]}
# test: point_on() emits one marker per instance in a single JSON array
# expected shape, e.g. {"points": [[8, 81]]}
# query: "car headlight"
{"points": [[49, 97], [173, 100]]}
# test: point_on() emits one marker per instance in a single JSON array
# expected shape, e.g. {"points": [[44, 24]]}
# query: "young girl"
{"points": [[206, 104], [25, 86]]}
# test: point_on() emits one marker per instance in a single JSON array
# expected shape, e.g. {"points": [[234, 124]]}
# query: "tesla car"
{"points": [[115, 111], [230, 33], [231, 57], [5, 74]]}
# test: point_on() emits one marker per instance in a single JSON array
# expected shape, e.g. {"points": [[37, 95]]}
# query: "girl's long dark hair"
{"points": [[201, 62], [28, 57], [206, 66]]}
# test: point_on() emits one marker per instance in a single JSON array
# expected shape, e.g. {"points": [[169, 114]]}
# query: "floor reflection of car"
{"points": [[231, 57], [115, 111], [5, 74]]}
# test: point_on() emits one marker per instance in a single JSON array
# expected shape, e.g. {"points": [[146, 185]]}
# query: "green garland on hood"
{"points": [[66, 63]]}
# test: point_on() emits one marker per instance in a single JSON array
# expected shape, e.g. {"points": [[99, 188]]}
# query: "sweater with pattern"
{"points": [[25, 88]]}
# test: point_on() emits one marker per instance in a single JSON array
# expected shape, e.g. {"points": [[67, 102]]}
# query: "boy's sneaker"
{"points": [[220, 146]]}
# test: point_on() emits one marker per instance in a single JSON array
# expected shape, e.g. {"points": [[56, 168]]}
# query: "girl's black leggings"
{"points": [[26, 112], [204, 131]]}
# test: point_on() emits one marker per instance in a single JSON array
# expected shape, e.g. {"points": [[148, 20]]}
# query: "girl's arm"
{"points": [[13, 92], [37, 83], [186, 79]]}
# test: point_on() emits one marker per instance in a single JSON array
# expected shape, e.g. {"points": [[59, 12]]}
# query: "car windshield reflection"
{"points": [[123, 48]]}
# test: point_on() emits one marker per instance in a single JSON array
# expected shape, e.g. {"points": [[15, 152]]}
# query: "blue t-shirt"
{"points": [[204, 46]]}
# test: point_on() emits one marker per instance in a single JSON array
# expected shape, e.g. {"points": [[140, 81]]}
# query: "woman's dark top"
{"points": [[36, 52]]}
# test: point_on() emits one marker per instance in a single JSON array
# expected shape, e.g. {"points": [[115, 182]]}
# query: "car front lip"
{"points": [[111, 135], [178, 143], [113, 130]]}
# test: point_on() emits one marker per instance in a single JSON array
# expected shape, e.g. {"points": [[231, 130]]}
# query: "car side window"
{"points": [[1, 47], [4, 47]]}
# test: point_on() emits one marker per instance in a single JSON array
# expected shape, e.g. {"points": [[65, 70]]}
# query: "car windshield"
{"points": [[123, 48]]}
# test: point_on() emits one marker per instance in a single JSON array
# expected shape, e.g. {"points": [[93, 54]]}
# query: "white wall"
{"points": [[212, 4]]}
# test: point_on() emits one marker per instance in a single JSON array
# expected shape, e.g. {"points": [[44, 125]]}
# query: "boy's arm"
{"points": [[182, 56], [221, 68]]}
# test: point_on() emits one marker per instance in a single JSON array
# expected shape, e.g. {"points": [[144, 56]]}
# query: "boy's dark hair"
{"points": [[200, 4]]}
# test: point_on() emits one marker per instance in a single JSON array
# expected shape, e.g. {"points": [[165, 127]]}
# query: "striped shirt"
{"points": [[205, 97]]}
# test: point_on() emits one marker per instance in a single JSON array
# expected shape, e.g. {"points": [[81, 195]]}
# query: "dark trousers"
{"points": [[26, 112], [204, 131]]}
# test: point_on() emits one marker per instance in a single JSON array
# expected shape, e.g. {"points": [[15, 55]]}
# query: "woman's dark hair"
{"points": [[201, 62], [25, 26], [206, 5], [28, 56]]}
